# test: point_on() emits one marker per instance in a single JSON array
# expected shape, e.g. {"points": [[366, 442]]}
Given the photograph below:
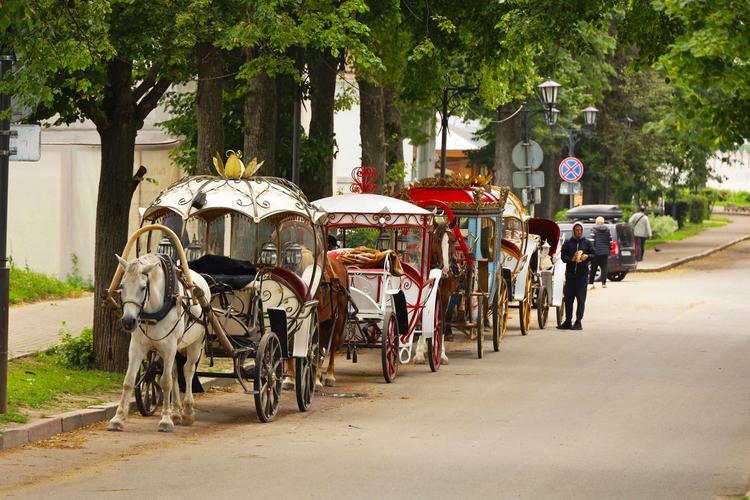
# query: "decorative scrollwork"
{"points": [[365, 180]]}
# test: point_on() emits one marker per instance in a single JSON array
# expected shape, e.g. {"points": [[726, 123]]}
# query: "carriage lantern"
{"points": [[401, 243], [384, 240], [165, 247], [293, 255], [194, 251], [268, 254]]}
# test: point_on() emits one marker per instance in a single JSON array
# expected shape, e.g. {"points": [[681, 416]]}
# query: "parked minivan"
{"points": [[622, 256]]}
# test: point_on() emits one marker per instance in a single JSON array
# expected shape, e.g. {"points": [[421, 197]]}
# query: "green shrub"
{"points": [[76, 352], [683, 211], [662, 226], [28, 286], [561, 215]]}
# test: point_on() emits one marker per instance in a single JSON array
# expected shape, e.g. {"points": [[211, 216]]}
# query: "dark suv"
{"points": [[622, 257]]}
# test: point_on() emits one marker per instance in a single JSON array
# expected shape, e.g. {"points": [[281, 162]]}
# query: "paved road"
{"points": [[648, 401]]}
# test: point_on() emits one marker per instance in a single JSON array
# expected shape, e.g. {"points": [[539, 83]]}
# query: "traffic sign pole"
{"points": [[6, 61]]}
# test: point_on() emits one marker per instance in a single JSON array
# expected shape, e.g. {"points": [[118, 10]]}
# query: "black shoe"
{"points": [[577, 326], [565, 326]]}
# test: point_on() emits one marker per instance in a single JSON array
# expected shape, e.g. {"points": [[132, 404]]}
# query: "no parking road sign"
{"points": [[571, 169]]}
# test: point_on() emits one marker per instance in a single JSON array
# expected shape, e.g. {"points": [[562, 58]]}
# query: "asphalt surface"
{"points": [[648, 401]]}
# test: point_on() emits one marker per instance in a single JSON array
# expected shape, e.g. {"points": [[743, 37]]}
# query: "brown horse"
{"points": [[332, 307], [444, 256]]}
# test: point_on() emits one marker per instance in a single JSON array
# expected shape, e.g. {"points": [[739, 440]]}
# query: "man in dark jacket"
{"points": [[602, 245], [576, 253]]}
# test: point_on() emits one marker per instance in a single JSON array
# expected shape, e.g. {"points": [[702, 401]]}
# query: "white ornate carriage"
{"points": [[258, 244], [394, 294]]}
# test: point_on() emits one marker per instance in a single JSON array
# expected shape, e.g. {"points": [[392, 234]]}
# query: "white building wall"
{"points": [[52, 202]]}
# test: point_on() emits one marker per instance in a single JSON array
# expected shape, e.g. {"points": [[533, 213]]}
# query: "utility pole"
{"points": [[6, 62]]}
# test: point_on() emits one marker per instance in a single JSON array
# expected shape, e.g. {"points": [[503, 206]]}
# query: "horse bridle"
{"points": [[170, 295]]}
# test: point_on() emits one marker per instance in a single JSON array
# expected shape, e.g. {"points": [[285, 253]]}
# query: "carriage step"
{"points": [[243, 350]]}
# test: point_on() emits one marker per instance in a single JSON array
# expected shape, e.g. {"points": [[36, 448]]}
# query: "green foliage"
{"points": [[561, 215], [29, 286], [707, 64], [75, 279], [76, 351], [40, 382], [362, 237], [663, 226]]}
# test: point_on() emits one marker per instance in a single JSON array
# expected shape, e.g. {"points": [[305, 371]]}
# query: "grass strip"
{"points": [[42, 382], [30, 286], [689, 230]]}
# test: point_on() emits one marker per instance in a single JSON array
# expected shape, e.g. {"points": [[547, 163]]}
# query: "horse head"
{"points": [[136, 285]]}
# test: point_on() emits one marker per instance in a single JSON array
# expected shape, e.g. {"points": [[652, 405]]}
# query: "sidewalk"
{"points": [[713, 239], [35, 327]]}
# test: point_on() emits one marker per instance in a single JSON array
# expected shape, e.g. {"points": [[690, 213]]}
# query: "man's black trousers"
{"points": [[575, 290], [601, 261]]}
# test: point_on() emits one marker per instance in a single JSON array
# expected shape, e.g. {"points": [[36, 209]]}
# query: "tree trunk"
{"points": [[318, 181], [394, 139], [507, 135], [372, 128], [261, 120], [208, 106], [117, 125]]}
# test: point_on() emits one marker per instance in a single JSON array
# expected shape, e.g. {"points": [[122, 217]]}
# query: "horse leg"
{"points": [[136, 355], [337, 330], [193, 353], [419, 358], [287, 383], [175, 400], [167, 381]]}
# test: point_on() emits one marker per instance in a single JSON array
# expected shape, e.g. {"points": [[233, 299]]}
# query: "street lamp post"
{"points": [[574, 135], [548, 92]]}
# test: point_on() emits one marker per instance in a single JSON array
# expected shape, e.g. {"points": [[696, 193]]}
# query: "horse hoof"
{"points": [[188, 420], [178, 419], [287, 384], [444, 359], [166, 427], [329, 381], [419, 359], [115, 426]]}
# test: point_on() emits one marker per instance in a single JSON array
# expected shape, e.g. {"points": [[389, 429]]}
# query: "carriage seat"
{"points": [[291, 278], [224, 274]]}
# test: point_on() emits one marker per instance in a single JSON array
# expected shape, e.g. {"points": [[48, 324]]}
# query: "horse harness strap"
{"points": [[170, 292]]}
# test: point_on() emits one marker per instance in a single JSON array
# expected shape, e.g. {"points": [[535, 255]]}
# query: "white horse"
{"points": [[143, 293]]}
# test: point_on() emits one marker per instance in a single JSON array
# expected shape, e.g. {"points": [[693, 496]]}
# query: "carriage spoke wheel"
{"points": [[542, 308], [524, 308], [306, 369], [148, 393], [389, 348], [435, 344], [499, 315], [268, 375], [480, 327]]}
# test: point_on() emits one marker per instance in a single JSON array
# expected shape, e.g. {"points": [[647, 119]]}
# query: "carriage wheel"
{"points": [[148, 393], [435, 344], [524, 308], [480, 327], [542, 308], [499, 315], [389, 348], [268, 375], [306, 369]]}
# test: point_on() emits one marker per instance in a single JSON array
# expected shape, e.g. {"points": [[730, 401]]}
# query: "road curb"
{"points": [[70, 421], [685, 260]]}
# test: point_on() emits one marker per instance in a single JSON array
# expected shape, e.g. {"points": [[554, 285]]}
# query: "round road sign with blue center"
{"points": [[571, 169]]}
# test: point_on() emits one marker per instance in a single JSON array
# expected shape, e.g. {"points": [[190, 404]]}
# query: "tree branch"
{"points": [[147, 83], [151, 99]]}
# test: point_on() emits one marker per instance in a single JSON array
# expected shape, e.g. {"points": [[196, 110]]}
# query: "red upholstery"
{"points": [[294, 281], [547, 230], [511, 248]]}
